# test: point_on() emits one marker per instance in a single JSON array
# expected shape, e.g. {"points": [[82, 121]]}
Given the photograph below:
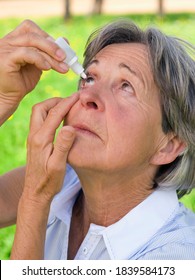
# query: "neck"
{"points": [[107, 199]]}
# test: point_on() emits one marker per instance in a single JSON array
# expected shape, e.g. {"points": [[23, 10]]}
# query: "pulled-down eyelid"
{"points": [[88, 81], [92, 62]]}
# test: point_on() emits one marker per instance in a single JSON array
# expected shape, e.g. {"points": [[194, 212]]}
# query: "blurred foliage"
{"points": [[6, 241], [14, 132]]}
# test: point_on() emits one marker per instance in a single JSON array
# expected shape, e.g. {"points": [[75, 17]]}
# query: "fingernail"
{"points": [[60, 54], [68, 132]]}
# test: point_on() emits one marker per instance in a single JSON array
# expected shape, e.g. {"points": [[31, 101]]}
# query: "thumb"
{"points": [[64, 141]]}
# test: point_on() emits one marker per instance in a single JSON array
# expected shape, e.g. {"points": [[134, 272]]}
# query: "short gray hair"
{"points": [[174, 75]]}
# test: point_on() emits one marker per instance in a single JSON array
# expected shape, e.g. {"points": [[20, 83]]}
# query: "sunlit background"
{"points": [[26, 8]]}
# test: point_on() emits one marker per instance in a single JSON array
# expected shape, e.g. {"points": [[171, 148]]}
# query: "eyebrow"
{"points": [[123, 65], [94, 61]]}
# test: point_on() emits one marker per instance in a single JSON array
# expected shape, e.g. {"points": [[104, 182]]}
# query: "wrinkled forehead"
{"points": [[128, 47], [130, 53], [135, 56]]}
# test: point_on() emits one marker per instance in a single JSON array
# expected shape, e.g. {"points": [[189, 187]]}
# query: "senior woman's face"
{"points": [[118, 116]]}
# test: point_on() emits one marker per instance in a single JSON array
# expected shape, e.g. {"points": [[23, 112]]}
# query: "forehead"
{"points": [[125, 51], [134, 55]]}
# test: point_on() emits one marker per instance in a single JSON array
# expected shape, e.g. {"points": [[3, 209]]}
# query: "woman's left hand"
{"points": [[45, 171]]}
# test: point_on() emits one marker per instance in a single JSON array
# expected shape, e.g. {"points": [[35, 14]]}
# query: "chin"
{"points": [[83, 162], [79, 158]]}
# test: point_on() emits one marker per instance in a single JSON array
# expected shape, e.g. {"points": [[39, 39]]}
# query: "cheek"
{"points": [[131, 134]]}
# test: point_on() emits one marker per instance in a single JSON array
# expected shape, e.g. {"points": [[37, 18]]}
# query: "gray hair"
{"points": [[174, 74]]}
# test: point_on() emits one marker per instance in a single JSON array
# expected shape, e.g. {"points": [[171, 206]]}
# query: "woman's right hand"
{"points": [[24, 54]]}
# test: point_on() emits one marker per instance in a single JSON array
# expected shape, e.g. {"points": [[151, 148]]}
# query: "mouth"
{"points": [[85, 130]]}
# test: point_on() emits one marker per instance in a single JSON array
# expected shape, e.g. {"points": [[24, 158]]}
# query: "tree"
{"points": [[97, 8], [67, 14], [160, 8]]}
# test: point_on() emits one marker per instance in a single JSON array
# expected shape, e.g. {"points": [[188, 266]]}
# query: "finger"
{"points": [[40, 112], [56, 115], [25, 27], [62, 146], [48, 115], [22, 56], [58, 66], [41, 43]]}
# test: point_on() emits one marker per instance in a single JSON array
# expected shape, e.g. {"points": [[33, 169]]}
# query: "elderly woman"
{"points": [[128, 138]]}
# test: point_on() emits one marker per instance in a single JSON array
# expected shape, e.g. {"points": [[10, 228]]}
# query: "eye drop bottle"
{"points": [[71, 58]]}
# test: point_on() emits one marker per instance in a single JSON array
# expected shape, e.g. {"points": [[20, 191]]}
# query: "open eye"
{"points": [[87, 82], [127, 87]]}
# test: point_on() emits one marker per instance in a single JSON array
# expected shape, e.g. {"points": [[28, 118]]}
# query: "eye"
{"points": [[87, 82], [127, 87]]}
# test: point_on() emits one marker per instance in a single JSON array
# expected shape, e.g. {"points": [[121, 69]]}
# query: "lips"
{"points": [[84, 129]]}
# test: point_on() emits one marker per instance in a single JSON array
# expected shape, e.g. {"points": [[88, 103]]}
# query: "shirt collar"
{"points": [[124, 238], [62, 204]]}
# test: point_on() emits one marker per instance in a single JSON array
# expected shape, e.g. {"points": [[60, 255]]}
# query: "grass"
{"points": [[14, 132]]}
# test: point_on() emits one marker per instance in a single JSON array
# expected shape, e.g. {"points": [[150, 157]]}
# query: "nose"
{"points": [[91, 98]]}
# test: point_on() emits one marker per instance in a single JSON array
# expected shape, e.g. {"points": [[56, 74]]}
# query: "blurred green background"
{"points": [[14, 132]]}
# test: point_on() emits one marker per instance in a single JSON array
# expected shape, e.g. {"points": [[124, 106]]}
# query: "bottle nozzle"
{"points": [[83, 75], [71, 58]]}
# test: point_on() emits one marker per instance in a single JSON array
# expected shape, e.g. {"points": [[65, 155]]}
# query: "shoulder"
{"points": [[170, 251], [175, 240]]}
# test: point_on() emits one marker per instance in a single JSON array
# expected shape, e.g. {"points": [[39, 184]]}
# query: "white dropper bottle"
{"points": [[71, 58]]}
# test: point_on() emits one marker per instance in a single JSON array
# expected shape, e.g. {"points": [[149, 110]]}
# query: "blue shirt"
{"points": [[159, 228]]}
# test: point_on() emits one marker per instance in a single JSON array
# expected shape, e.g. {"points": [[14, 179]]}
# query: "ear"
{"points": [[170, 150]]}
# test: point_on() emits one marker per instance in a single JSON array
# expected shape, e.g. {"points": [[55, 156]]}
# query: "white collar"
{"points": [[125, 237], [63, 202]]}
